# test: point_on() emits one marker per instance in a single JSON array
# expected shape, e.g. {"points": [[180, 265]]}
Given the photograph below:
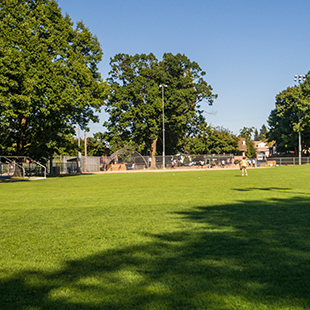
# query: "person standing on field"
{"points": [[243, 166]]}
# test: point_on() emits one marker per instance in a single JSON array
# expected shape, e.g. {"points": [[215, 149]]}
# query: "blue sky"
{"points": [[250, 49]]}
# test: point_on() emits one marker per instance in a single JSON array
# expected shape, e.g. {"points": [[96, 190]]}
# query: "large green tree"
{"points": [[49, 81], [247, 133], [96, 145], [262, 133], [213, 140], [135, 101], [290, 116]]}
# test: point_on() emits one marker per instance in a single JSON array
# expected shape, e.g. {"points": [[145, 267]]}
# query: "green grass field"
{"points": [[173, 240]]}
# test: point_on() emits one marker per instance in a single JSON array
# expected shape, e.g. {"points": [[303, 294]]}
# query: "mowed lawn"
{"points": [[170, 240]]}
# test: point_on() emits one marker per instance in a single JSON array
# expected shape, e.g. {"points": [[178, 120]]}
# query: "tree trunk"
{"points": [[153, 153], [20, 140]]}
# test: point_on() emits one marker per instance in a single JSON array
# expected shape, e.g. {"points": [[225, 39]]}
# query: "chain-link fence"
{"points": [[185, 161], [195, 161], [181, 161], [284, 161], [25, 167], [131, 161], [73, 165]]}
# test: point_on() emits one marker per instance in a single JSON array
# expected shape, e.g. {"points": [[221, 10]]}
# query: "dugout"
{"points": [[126, 159]]}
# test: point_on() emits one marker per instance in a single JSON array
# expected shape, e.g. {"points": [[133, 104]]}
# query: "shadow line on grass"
{"points": [[262, 189], [249, 255]]}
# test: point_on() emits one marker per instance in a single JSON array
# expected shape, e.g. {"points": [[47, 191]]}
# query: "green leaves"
{"points": [[213, 140], [49, 79], [247, 132], [290, 116], [135, 101]]}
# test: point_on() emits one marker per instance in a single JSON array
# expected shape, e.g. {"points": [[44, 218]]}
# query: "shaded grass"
{"points": [[174, 240]]}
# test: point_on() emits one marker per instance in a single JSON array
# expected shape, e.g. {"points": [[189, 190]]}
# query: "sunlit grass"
{"points": [[173, 240]]}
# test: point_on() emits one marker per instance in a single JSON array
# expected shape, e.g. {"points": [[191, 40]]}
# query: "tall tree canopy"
{"points": [[49, 79], [247, 133], [290, 115], [135, 101], [213, 140], [262, 133], [256, 135], [222, 141]]}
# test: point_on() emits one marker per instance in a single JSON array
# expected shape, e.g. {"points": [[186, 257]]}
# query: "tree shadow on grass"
{"points": [[248, 189], [249, 255]]}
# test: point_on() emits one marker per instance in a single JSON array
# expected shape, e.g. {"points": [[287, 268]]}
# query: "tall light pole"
{"points": [[163, 86], [79, 153], [298, 79]]}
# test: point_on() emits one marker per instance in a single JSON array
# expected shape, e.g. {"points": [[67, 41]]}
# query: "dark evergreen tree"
{"points": [[247, 133]]}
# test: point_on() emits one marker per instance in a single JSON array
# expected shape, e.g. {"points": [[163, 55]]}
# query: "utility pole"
{"points": [[79, 151], [85, 149], [162, 86], [298, 79]]}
